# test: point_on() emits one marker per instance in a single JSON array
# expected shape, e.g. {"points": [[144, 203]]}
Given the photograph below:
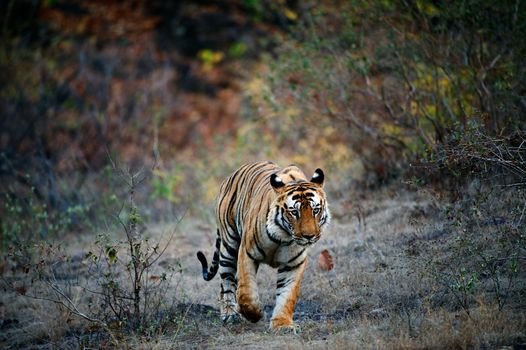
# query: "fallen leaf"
{"points": [[325, 261]]}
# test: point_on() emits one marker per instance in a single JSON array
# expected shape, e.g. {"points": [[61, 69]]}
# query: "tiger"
{"points": [[265, 215]]}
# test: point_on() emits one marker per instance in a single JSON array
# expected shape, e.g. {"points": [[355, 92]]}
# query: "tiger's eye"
{"points": [[294, 213], [316, 211]]}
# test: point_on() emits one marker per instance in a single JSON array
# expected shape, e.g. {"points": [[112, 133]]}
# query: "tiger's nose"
{"points": [[309, 237]]}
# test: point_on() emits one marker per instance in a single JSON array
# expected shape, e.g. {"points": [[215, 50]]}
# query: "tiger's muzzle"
{"points": [[306, 240]]}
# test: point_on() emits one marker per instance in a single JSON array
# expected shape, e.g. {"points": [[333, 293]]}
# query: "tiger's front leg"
{"points": [[247, 293], [288, 287]]}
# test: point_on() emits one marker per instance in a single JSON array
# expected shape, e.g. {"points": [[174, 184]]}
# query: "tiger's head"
{"points": [[302, 209]]}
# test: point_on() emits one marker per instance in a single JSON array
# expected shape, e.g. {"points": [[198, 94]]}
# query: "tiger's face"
{"points": [[302, 208]]}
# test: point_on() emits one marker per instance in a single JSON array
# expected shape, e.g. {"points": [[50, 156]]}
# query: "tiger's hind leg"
{"points": [[228, 274], [228, 307]]}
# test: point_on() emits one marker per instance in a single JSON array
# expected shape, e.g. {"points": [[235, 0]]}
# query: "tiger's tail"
{"points": [[209, 274]]}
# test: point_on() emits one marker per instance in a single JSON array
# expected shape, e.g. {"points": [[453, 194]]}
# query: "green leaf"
{"points": [[111, 253]]}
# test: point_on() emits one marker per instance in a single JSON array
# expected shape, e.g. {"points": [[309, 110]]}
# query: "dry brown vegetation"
{"points": [[123, 118], [385, 291]]}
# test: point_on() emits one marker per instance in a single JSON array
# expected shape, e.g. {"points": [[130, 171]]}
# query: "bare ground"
{"points": [[380, 294]]}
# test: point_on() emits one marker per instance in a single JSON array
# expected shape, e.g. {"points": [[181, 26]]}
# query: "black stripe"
{"points": [[285, 223], [226, 263], [323, 220], [250, 256], [261, 251], [228, 276], [286, 244], [235, 235], [297, 256], [290, 268], [273, 239], [215, 259], [277, 222], [229, 208], [230, 250], [263, 165], [283, 282], [224, 257]]}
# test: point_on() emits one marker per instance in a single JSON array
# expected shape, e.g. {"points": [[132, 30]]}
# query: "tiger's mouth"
{"points": [[305, 241]]}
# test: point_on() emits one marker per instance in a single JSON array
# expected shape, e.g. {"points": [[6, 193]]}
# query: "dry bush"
{"points": [[487, 249], [399, 81], [432, 329], [117, 287]]}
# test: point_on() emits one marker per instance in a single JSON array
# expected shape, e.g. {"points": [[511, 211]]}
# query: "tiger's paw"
{"points": [[231, 318], [229, 312], [284, 327], [251, 312]]}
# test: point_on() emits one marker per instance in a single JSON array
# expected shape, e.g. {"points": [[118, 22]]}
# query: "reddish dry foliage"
{"points": [[326, 263]]}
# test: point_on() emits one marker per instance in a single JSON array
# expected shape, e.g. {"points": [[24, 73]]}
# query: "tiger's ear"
{"points": [[318, 177], [276, 182]]}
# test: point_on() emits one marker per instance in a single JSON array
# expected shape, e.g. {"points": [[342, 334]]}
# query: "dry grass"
{"points": [[381, 293]]}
